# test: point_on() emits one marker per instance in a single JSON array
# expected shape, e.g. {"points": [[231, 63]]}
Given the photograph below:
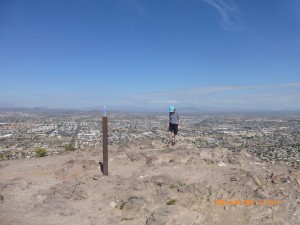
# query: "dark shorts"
{"points": [[173, 128]]}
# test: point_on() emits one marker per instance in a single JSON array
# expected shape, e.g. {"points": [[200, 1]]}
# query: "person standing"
{"points": [[173, 124]]}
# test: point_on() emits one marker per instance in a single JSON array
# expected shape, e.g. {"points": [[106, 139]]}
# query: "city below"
{"points": [[272, 137]]}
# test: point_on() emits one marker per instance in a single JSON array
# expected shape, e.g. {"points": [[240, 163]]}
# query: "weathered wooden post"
{"points": [[105, 142]]}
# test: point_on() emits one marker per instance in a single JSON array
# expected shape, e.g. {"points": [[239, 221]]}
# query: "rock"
{"points": [[285, 180], [261, 194], [171, 161], [133, 156], [134, 203], [56, 197], [256, 180], [89, 164], [297, 180], [231, 160], [258, 218], [246, 154], [75, 168], [113, 204], [174, 215], [234, 178], [221, 163], [152, 160], [251, 185], [159, 217], [1, 198], [160, 180]]}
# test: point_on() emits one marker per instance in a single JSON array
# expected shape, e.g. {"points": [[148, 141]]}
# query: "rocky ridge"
{"points": [[176, 185]]}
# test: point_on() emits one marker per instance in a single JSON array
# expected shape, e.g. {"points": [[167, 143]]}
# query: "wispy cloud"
{"points": [[270, 96], [229, 12]]}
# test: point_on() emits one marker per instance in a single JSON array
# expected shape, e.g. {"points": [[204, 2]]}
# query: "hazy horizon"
{"points": [[132, 109]]}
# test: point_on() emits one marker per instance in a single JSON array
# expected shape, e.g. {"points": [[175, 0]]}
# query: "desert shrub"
{"points": [[177, 185], [122, 205], [171, 202], [126, 218], [69, 147], [40, 152]]}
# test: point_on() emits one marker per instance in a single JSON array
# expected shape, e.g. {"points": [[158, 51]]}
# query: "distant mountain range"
{"points": [[134, 109]]}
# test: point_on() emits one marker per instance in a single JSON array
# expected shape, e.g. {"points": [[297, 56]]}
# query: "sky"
{"points": [[206, 54]]}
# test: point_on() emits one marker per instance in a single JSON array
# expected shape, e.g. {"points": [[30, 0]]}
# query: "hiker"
{"points": [[173, 124]]}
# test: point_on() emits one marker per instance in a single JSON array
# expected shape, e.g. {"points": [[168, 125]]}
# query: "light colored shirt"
{"points": [[173, 118]]}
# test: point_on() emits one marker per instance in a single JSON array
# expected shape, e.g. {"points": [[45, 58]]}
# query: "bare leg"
{"points": [[170, 136]]}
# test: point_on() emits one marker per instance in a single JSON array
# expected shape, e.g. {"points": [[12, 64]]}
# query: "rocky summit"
{"points": [[181, 185]]}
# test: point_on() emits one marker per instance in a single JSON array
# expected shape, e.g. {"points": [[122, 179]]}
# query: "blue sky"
{"points": [[150, 53]]}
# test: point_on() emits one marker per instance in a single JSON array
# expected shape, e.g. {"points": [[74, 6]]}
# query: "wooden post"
{"points": [[105, 145]]}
